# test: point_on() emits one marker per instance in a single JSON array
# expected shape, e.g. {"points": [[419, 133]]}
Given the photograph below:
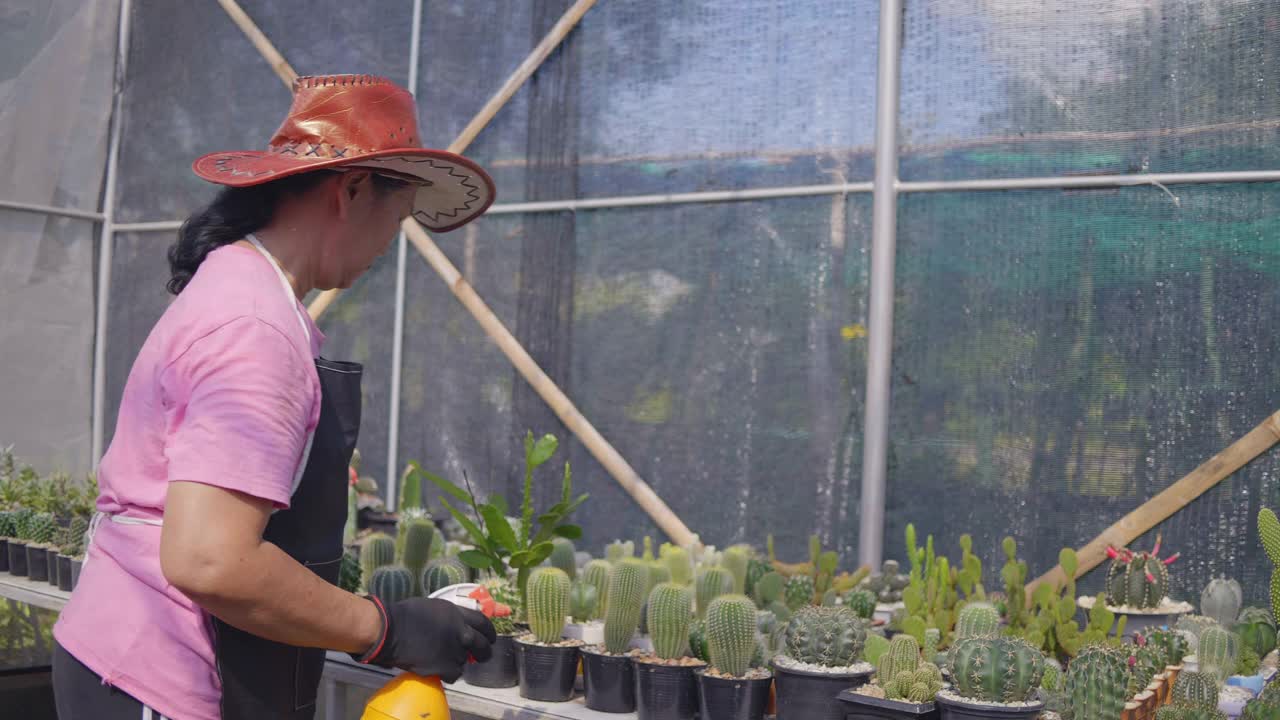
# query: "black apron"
{"points": [[267, 680]]}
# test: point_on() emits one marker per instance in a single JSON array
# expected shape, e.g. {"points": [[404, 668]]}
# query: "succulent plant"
{"points": [[1218, 651], [1195, 688], [1173, 645], [597, 572], [582, 601], [756, 569], [731, 633], [932, 638], [1257, 630], [419, 533], [348, 573], [698, 640], [1264, 707], [628, 583], [1177, 711], [1190, 627], [670, 609], [1269, 535], [1139, 580], [40, 528], [562, 556], [712, 582], [1247, 663], [1144, 664], [1221, 600], [440, 574], [391, 584], [902, 655], [548, 598], [735, 560], [827, 636], [1097, 684], [378, 550], [799, 591], [999, 669], [920, 685], [8, 527], [615, 551], [888, 584], [977, 619], [861, 602]]}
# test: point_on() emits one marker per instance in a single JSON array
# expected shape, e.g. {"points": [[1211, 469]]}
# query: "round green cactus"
{"points": [[712, 583], [548, 594], [799, 591], [391, 584], [377, 550], [1139, 580], [731, 633], [628, 583], [564, 556], [440, 574], [998, 669], [419, 533], [977, 619], [902, 656], [1173, 645], [670, 609], [1218, 651], [1257, 629], [1098, 683], [1195, 688], [596, 572], [1221, 600], [828, 636], [735, 560], [862, 603]]}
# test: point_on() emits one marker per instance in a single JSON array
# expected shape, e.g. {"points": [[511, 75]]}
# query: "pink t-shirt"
{"points": [[224, 392]]}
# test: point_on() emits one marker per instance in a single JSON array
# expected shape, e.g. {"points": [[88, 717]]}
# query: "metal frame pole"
{"points": [[107, 239], [880, 314]]}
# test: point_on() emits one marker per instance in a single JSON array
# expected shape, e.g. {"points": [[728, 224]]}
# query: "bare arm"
{"points": [[211, 548]]}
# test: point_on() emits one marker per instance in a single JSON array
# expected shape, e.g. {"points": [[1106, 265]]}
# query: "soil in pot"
{"points": [[37, 564], [806, 692], [547, 672], [499, 671], [17, 558], [857, 706], [954, 707], [64, 573], [608, 680], [733, 698], [666, 689]]}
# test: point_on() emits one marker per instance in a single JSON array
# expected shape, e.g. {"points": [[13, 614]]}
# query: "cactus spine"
{"points": [[391, 584], [1218, 651], [735, 560], [548, 597], [862, 602], [999, 669], [731, 633], [596, 572], [418, 536], [670, 609], [1098, 683], [378, 550], [1221, 600], [828, 636], [627, 585], [563, 557], [712, 583], [1195, 688], [799, 591], [440, 574]]}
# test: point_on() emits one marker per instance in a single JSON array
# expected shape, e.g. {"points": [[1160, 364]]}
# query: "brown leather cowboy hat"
{"points": [[344, 121]]}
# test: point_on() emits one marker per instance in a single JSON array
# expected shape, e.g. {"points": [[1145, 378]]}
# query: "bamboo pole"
{"points": [[600, 448], [1172, 498]]}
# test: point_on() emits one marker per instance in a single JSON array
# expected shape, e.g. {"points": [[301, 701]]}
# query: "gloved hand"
{"points": [[430, 637]]}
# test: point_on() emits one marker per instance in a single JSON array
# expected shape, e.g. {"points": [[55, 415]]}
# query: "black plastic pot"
{"points": [[75, 573], [732, 698], [499, 671], [865, 707], [804, 695], [547, 674], [961, 710], [64, 573], [51, 557], [665, 692], [609, 682], [37, 564], [17, 558], [4, 554]]}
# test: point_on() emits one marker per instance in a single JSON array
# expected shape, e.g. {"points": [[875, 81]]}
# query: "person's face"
{"points": [[369, 217]]}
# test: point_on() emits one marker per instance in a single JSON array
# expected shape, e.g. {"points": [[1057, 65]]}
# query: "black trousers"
{"points": [[80, 694]]}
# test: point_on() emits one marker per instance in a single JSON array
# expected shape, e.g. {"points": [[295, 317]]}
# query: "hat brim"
{"points": [[459, 191]]}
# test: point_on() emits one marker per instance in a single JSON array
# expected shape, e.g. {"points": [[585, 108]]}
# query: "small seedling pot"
{"points": [[499, 671], [547, 674], [865, 707], [665, 692], [51, 557], [37, 564], [17, 558], [950, 709], [732, 698], [805, 695], [609, 682], [589, 633], [1252, 683], [64, 573]]}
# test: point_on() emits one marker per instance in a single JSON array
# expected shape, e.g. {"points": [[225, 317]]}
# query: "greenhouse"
{"points": [[808, 359]]}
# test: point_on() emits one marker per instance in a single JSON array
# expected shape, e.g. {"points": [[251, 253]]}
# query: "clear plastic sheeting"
{"points": [[1007, 88], [1061, 357]]}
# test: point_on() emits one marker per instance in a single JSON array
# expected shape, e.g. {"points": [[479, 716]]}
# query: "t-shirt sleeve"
{"points": [[241, 402]]}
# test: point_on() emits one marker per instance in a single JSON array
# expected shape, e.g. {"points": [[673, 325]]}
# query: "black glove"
{"points": [[430, 637]]}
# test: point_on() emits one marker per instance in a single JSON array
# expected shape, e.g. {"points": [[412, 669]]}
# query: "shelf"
{"points": [[37, 594]]}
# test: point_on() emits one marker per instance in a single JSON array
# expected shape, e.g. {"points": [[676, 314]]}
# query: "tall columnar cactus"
{"points": [[419, 533], [678, 564], [596, 572], [670, 609], [548, 597], [563, 556], [378, 550], [440, 574], [1172, 644], [1139, 580], [735, 560], [391, 584], [862, 603], [1221, 600], [799, 591], [999, 669], [1257, 629], [627, 585], [1098, 683], [1269, 534], [615, 551], [712, 583], [731, 633], [1195, 688], [977, 619], [902, 656], [1219, 649], [932, 638], [828, 636]]}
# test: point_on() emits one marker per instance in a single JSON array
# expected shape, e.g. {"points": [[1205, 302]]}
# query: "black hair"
{"points": [[236, 212]]}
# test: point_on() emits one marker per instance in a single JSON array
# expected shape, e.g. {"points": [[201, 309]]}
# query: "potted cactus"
{"points": [[1257, 630], [1137, 589], [905, 686], [730, 688], [547, 663], [584, 623], [1195, 697], [822, 655], [40, 529], [996, 677], [1098, 683], [666, 687], [1221, 600], [1174, 647], [440, 574], [607, 675], [499, 671]]}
